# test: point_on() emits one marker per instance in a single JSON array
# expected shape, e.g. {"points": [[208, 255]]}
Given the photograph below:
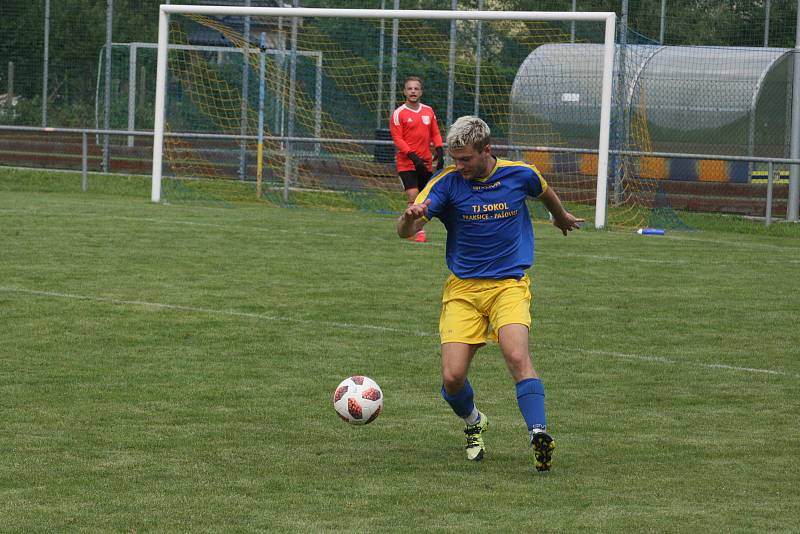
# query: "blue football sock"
{"points": [[461, 402], [530, 397]]}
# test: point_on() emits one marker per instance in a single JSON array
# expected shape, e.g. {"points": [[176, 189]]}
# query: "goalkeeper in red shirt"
{"points": [[414, 129]]}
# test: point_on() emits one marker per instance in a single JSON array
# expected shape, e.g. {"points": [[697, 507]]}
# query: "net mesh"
{"points": [[338, 102], [720, 85]]}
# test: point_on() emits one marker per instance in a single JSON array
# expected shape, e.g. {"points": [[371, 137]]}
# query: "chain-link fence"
{"points": [[696, 78]]}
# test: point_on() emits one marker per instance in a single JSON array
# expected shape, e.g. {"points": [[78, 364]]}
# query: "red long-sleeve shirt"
{"points": [[414, 131]]}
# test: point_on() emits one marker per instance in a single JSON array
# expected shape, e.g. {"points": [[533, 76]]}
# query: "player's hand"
{"points": [[416, 211], [439, 158], [567, 223], [419, 165]]}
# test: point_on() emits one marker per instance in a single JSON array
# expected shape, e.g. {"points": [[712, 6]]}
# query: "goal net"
{"points": [[299, 113]]}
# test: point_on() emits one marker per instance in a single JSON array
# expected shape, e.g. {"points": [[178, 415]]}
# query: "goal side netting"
{"points": [[292, 105]]}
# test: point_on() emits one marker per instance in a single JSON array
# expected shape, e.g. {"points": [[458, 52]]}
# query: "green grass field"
{"points": [[170, 368]]}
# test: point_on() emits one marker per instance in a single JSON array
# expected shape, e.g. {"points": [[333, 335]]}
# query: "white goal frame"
{"points": [[608, 64]]}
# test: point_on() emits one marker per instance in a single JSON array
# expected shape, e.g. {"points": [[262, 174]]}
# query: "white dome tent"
{"points": [[700, 100]]}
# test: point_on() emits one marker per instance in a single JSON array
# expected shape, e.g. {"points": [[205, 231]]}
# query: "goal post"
{"points": [[287, 14]]}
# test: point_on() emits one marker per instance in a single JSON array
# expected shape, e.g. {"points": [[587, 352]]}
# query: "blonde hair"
{"points": [[468, 131], [412, 79]]}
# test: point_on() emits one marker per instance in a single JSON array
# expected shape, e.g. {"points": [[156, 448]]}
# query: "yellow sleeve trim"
{"points": [[427, 190], [542, 181]]}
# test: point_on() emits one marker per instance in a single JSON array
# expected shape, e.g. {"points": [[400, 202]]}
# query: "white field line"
{"points": [[354, 326], [209, 311], [606, 257], [669, 361]]}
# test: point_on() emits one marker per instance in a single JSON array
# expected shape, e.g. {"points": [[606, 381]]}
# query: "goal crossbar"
{"points": [[609, 18]]}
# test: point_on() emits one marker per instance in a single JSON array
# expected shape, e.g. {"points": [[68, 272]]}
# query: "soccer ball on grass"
{"points": [[358, 400]]}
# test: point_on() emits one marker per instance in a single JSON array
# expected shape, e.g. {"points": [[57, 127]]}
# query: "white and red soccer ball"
{"points": [[358, 400]]}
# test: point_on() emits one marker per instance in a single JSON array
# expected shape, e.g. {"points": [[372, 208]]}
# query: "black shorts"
{"points": [[414, 179]]}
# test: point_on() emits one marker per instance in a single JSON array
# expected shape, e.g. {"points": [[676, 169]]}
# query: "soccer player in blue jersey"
{"points": [[481, 201]]}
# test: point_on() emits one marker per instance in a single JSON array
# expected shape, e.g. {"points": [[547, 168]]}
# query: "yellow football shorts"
{"points": [[473, 310]]}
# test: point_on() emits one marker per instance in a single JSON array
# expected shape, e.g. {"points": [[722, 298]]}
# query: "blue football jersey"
{"points": [[489, 231]]}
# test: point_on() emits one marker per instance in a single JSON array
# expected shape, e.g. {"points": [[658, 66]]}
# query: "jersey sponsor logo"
{"points": [[488, 216], [479, 187], [477, 208], [426, 120], [505, 214], [476, 217], [485, 212]]}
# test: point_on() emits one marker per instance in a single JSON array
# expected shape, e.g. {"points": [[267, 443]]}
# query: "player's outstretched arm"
{"points": [[412, 219], [562, 219]]}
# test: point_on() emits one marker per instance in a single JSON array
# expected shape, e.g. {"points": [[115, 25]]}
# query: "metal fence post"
{"points": [[288, 164], [478, 37], [262, 68], [132, 91], [571, 24], [794, 153], [10, 86], [451, 71], [619, 126], [768, 214], [245, 95], [379, 117], [84, 162], [46, 66], [107, 95], [280, 69], [318, 104], [393, 73]]}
